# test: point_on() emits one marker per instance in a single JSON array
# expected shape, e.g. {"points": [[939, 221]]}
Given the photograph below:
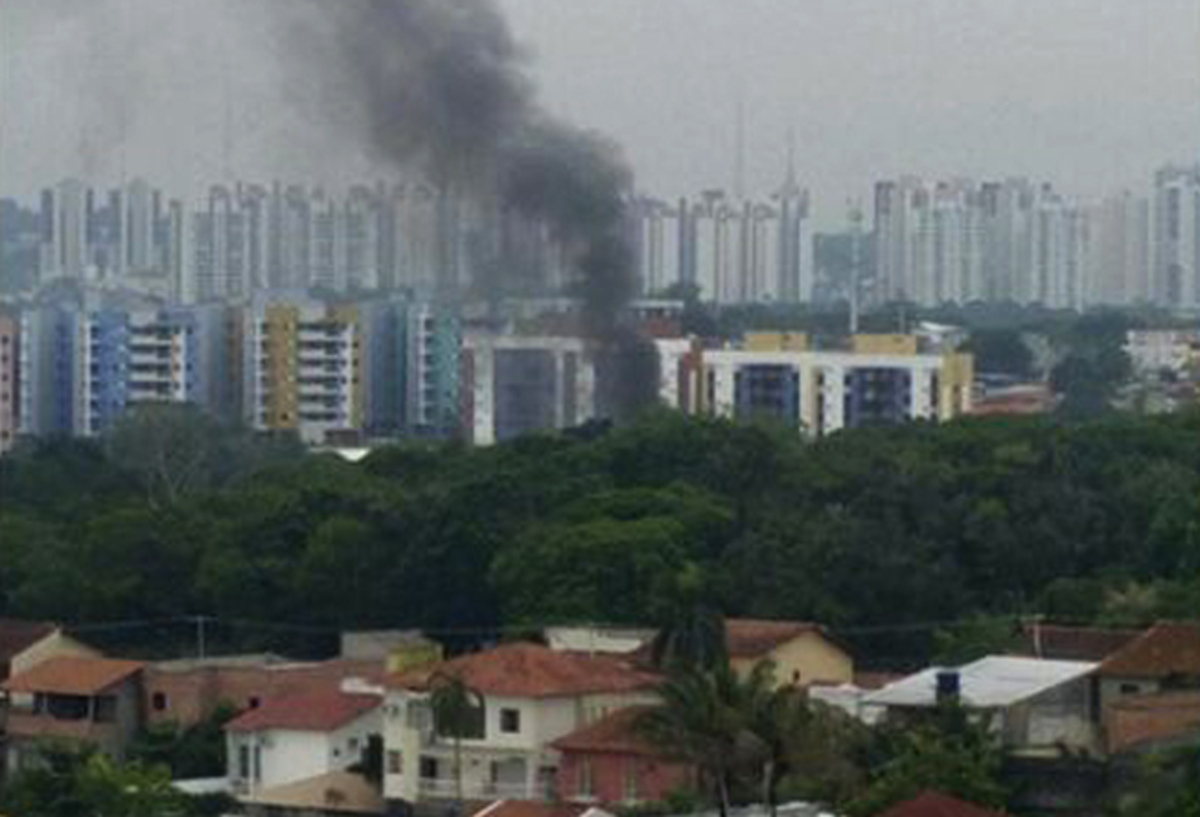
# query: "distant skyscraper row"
{"points": [[930, 242], [1017, 241], [731, 251], [246, 238]]}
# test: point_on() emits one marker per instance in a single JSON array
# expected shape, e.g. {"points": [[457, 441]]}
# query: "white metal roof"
{"points": [[993, 682]]}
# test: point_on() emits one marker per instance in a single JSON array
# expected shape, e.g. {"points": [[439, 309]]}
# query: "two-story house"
{"points": [[529, 696], [84, 701]]}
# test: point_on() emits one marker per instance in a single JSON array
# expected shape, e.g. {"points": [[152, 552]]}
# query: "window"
{"points": [[105, 709], [243, 761], [352, 745], [629, 788], [395, 762], [1130, 689], [584, 785], [472, 727], [253, 702], [510, 721], [158, 701], [429, 768]]}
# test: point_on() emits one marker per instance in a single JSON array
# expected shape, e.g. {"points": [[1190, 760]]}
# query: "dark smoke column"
{"points": [[444, 90]]}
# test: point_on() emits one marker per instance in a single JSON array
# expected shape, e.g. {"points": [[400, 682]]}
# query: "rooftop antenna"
{"points": [[855, 217], [227, 119], [739, 147]]}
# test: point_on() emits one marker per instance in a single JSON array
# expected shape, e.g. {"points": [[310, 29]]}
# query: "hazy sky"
{"points": [[1091, 94]]}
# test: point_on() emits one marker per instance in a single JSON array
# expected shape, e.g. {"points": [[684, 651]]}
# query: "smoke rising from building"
{"points": [[441, 87]]}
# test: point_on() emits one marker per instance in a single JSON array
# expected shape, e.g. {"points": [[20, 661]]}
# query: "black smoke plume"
{"points": [[443, 88]]}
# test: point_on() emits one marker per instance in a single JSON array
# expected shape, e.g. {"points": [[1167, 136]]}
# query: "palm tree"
{"points": [[706, 719], [456, 710], [780, 718], [692, 632]]}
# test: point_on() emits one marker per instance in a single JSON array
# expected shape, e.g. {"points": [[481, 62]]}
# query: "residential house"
{"points": [[86, 701], [803, 652], [286, 740], [529, 696], [1035, 706], [936, 804], [1148, 722], [187, 691], [1165, 657], [25, 643], [609, 762], [332, 794]]}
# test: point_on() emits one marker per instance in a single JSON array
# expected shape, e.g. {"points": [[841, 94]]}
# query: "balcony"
{"points": [[445, 788]]}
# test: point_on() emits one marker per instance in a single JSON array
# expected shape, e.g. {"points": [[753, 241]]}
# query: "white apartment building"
{"points": [[515, 384], [1177, 236], [817, 393]]}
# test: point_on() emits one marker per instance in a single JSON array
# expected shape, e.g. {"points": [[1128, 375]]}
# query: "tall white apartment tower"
{"points": [[66, 211], [1176, 213]]}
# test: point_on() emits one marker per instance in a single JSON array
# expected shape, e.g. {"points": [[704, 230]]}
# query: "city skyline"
{"points": [[1091, 96]]}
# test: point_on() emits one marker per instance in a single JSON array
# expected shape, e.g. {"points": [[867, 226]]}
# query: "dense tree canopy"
{"points": [[1093, 520]]}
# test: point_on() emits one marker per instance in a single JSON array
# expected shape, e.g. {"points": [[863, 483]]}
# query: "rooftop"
{"points": [[341, 792], [1073, 643], [320, 711], [935, 804], [754, 638], [73, 676], [1167, 648], [18, 635], [995, 681], [533, 671], [615, 733]]}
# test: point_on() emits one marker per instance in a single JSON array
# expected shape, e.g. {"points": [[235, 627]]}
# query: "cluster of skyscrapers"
{"points": [[957, 241], [243, 239], [929, 242]]}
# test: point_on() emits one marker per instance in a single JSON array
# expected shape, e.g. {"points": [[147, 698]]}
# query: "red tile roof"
{"points": [[531, 808], [321, 711], [533, 671], [17, 635], [754, 638], [615, 733], [1167, 648], [1073, 643], [73, 676], [935, 804]]}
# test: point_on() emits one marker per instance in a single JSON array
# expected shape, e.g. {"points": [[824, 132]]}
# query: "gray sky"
{"points": [[1091, 94]]}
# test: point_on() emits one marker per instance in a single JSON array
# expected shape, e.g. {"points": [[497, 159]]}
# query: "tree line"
{"points": [[1093, 521]]}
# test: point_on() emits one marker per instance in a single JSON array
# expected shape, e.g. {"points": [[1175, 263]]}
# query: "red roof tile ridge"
{"points": [[531, 670], [313, 710], [70, 674]]}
